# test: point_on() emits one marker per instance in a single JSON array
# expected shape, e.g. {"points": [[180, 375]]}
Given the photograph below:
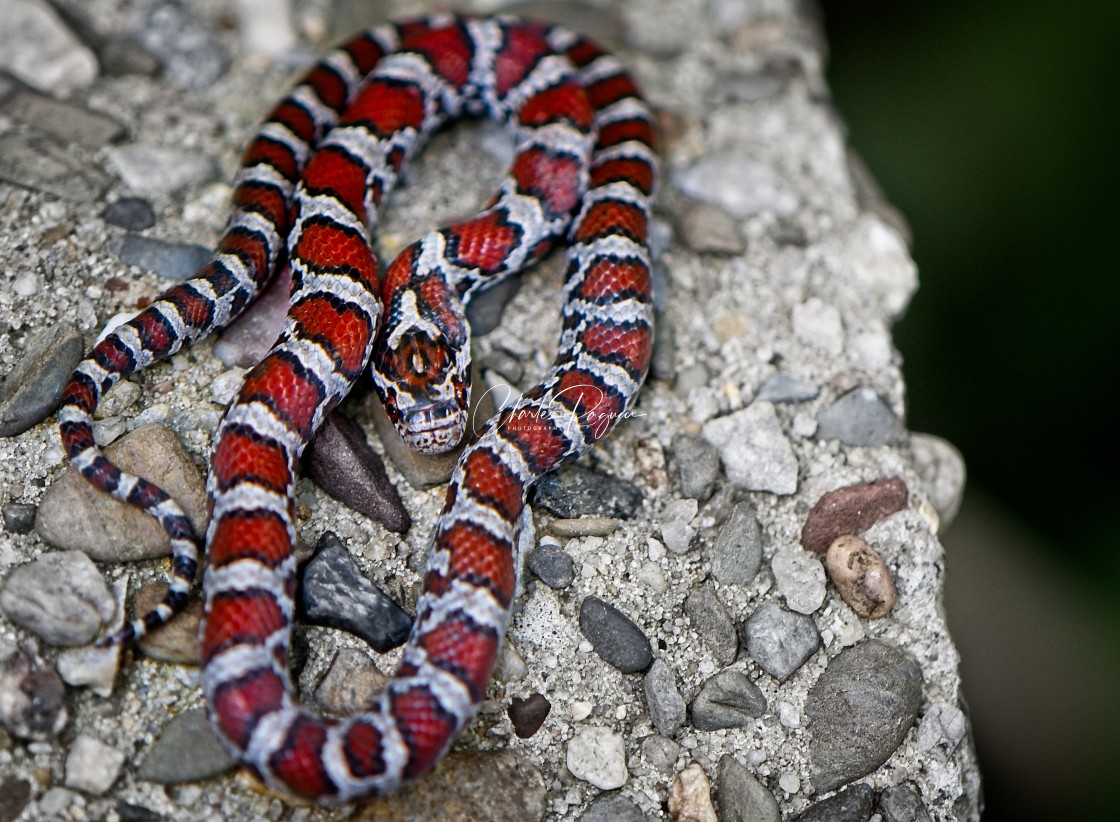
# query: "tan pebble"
{"points": [[691, 797], [861, 576]]}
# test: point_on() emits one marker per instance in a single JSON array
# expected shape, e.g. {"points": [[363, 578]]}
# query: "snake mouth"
{"points": [[433, 428]]}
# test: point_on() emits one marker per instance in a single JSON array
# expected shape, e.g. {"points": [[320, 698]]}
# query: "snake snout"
{"points": [[433, 428]]}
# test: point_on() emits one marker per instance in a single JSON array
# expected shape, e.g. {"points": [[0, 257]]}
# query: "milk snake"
{"points": [[306, 195]]}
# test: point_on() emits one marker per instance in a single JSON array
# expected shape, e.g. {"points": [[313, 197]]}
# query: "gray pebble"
{"points": [[712, 621], [779, 388], [942, 470], [60, 597], [860, 418], [247, 340], [31, 391], [192, 57], [663, 360], [902, 803], [661, 753], [941, 730], [695, 465], [850, 805], [552, 566], [19, 517], [189, 731], [780, 641], [664, 702], [754, 450], [737, 183], [351, 684], [63, 120], [38, 46], [337, 594], [710, 230], [742, 798], [37, 162], [612, 809], [587, 526], [799, 577], [736, 555], [484, 312], [172, 261], [574, 491], [32, 696], [614, 636], [92, 766], [860, 710], [131, 213], [728, 699]]}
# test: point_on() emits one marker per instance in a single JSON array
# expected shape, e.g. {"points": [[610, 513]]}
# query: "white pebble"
{"points": [[597, 755], [92, 766]]}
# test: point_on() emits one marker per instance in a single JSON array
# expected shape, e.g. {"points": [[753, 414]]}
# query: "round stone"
{"points": [[614, 636], [60, 597], [860, 575], [800, 579], [780, 641]]}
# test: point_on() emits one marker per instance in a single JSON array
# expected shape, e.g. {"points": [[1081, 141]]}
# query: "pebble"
{"points": [[852, 804], [91, 667], [575, 491], [528, 714], [860, 418], [661, 753], [736, 555], [266, 27], [780, 641], [861, 577], [37, 47], [131, 213], [336, 594], [15, 793], [176, 641], [612, 809], [818, 324], [484, 312], [664, 702], [37, 162], [942, 471], [597, 755], [92, 766], [76, 515], [941, 730], [799, 577], [351, 683], [614, 636], [753, 449], [663, 360], [851, 510], [152, 169], [552, 566], [511, 665], [695, 466], [712, 621], [172, 261], [60, 597], [56, 802], [676, 533], [583, 527], [707, 229], [778, 388], [117, 400], [860, 709], [498, 786], [32, 389], [902, 803], [742, 798], [341, 462], [192, 58], [736, 183], [690, 798], [32, 696], [19, 517], [728, 699], [62, 120], [188, 731], [247, 340]]}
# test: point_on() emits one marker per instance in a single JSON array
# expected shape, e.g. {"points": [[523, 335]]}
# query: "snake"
{"points": [[306, 196]]}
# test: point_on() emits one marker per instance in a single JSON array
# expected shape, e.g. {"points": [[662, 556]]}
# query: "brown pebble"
{"points": [[527, 715], [860, 575], [851, 510], [178, 640]]}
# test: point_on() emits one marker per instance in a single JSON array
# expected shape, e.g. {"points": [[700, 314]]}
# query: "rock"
{"points": [[661, 753], [902, 803], [741, 797], [179, 639], [188, 731], [850, 805], [861, 577], [695, 465], [941, 730], [64, 121], [131, 213], [851, 510], [552, 566], [615, 638], [583, 527], [37, 47], [341, 462], [19, 517], [192, 57], [60, 597], [780, 641], [818, 324], [76, 515], [129, 812], [860, 418], [860, 710], [690, 798], [574, 491], [15, 793], [40, 164], [711, 620], [942, 471], [782, 389], [32, 697], [172, 261], [247, 340], [336, 594], [736, 183], [753, 449], [266, 27], [800, 579], [92, 766], [32, 390], [498, 786], [92, 667], [484, 312], [676, 532], [728, 699], [612, 809], [664, 702], [737, 553], [710, 230], [351, 684], [597, 755], [528, 715]]}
